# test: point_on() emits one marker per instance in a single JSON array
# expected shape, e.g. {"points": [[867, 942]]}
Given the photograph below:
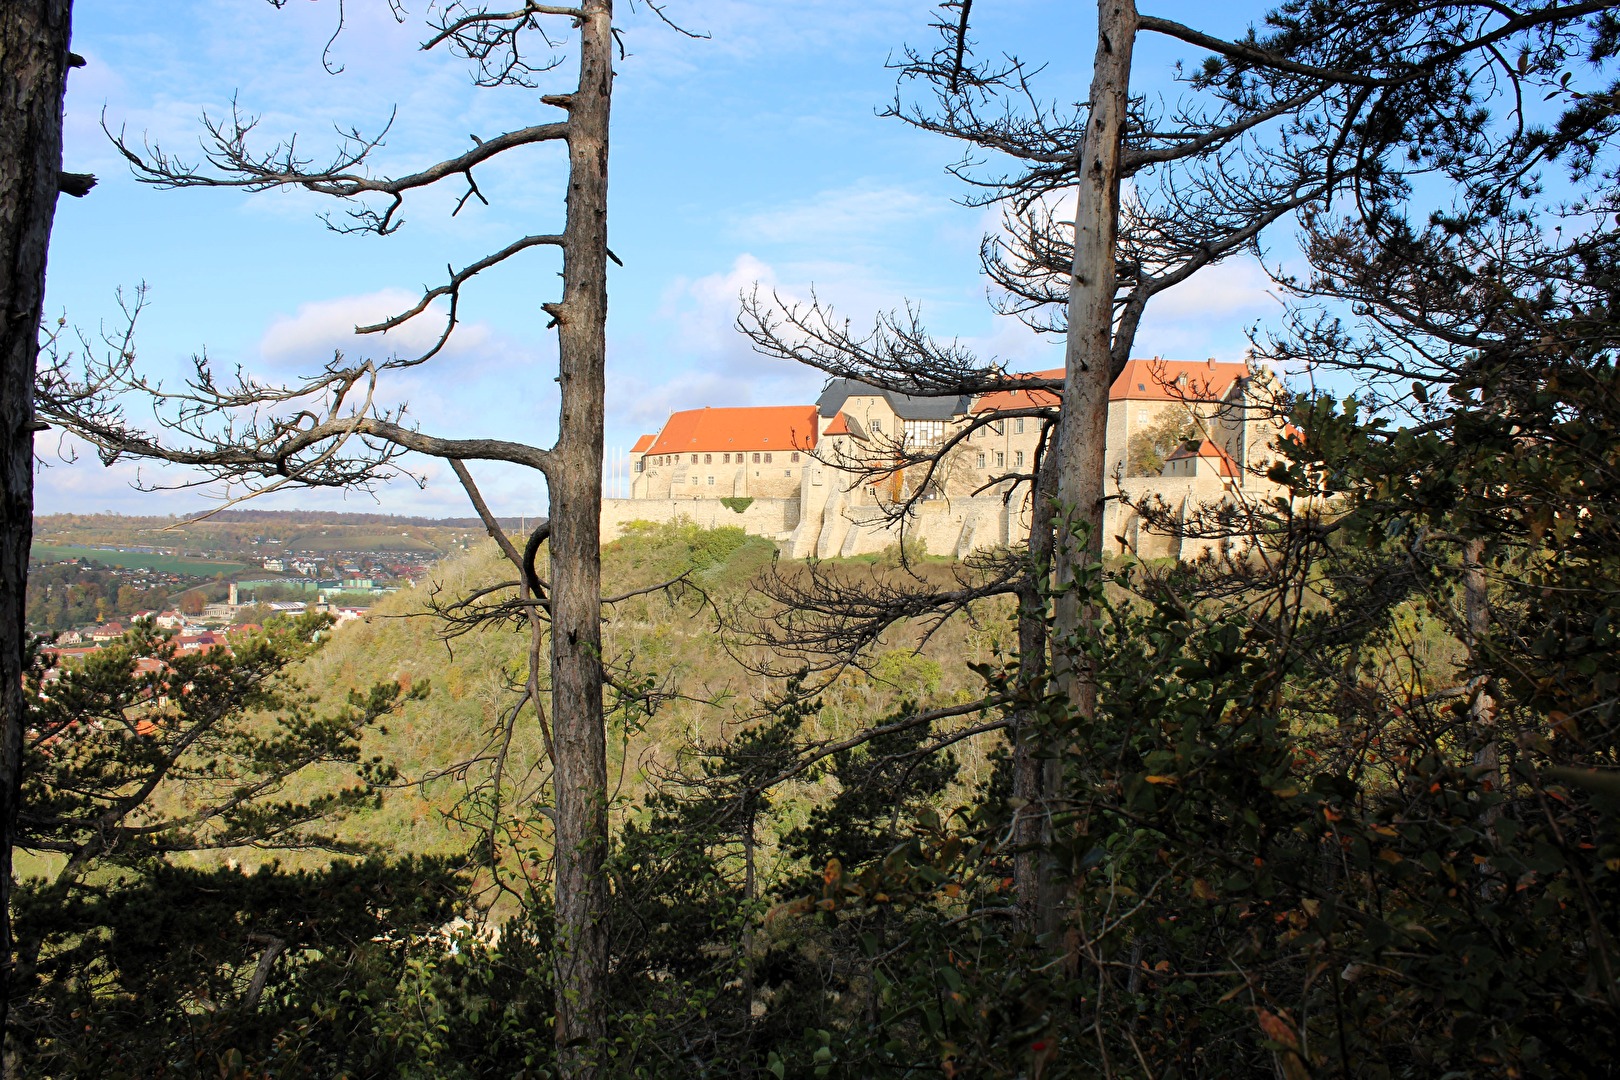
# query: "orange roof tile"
{"points": [[1206, 449], [839, 426], [1002, 400], [642, 444], [771, 427], [1160, 380]]}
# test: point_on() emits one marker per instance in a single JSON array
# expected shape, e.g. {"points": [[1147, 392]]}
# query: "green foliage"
{"points": [[141, 753], [737, 503], [62, 596], [1148, 447], [152, 973], [881, 787]]}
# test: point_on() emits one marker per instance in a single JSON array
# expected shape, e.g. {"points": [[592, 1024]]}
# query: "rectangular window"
{"points": [[708, 459], [680, 479], [756, 459], [981, 459], [877, 424], [787, 472], [1018, 459], [694, 459], [725, 459], [1001, 460], [795, 458], [925, 432], [1141, 416], [711, 481], [767, 459], [1018, 426], [999, 427]]}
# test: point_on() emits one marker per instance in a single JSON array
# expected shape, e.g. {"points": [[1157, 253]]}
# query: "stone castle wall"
{"points": [[833, 529], [775, 518]]}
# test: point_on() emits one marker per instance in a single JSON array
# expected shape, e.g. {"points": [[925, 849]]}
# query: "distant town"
{"points": [[95, 578]]}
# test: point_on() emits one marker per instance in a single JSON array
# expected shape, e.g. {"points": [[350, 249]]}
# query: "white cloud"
{"points": [[716, 365], [1230, 290], [308, 337], [859, 214]]}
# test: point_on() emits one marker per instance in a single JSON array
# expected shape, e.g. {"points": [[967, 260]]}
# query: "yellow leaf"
{"points": [[1202, 891], [1162, 780], [1390, 857]]}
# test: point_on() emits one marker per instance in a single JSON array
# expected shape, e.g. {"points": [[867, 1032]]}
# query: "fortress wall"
{"points": [[945, 527], [952, 527], [775, 518]]}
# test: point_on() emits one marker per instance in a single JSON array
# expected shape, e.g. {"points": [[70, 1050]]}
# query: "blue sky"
{"points": [[754, 155]]}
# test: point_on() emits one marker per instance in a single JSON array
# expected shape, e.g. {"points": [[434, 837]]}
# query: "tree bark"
{"points": [[575, 482], [33, 67], [1088, 371], [1032, 834]]}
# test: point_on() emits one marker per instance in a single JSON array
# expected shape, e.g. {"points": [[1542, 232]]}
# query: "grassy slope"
{"points": [[677, 640]]}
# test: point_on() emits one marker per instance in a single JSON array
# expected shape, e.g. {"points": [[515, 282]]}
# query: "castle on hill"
{"points": [[814, 477]]}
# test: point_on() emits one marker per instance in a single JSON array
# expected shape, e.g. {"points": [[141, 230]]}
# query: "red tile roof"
{"points": [[642, 443], [772, 427], [1160, 380], [839, 426], [1206, 449], [1003, 400], [1142, 380]]}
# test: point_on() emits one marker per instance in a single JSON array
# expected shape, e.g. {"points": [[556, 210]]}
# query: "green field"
{"points": [[169, 564]]}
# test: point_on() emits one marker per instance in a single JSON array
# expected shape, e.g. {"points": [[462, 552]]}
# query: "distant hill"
{"points": [[288, 517], [251, 536]]}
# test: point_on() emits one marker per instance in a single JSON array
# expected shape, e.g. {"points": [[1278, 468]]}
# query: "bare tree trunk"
{"points": [[1088, 371], [1477, 615], [1082, 455], [33, 67], [1031, 866], [575, 483]]}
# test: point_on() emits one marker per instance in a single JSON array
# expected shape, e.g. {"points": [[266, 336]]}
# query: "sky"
{"points": [[756, 154]]}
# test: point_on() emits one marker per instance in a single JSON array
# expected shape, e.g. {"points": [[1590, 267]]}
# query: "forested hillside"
{"points": [[706, 678]]}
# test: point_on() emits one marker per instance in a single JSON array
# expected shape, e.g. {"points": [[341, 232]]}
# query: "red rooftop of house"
{"points": [[769, 427], [1003, 400], [1175, 380], [839, 426], [1206, 449], [1152, 379]]}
